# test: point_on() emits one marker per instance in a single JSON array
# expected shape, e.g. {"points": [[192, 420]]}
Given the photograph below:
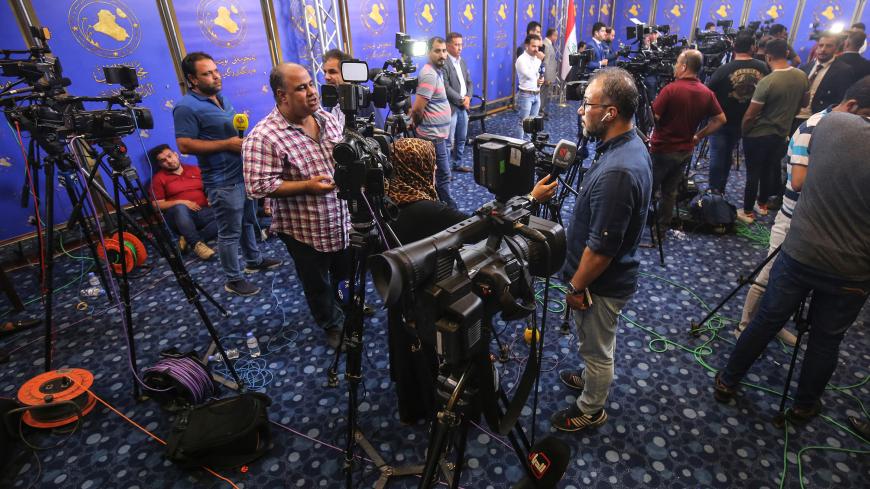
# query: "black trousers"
{"points": [[763, 157], [320, 272]]}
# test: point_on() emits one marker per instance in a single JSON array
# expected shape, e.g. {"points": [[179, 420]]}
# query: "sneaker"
{"points": [[572, 419], [722, 392], [803, 415], [573, 379], [182, 244], [241, 287], [745, 217], [462, 169], [862, 427], [203, 251], [760, 209], [774, 203], [265, 264]]}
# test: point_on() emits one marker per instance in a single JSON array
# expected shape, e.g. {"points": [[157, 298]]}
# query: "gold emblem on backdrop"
{"points": [[375, 16], [425, 14], [223, 22], [469, 10], [107, 28]]}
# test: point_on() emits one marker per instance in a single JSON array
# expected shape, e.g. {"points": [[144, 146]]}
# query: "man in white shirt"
{"points": [[457, 82], [528, 67]]}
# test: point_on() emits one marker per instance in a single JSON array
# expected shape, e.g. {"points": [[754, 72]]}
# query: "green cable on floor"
{"points": [[714, 326], [756, 233]]}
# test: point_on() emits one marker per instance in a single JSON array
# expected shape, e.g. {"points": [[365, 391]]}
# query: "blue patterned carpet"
{"points": [[664, 427]]}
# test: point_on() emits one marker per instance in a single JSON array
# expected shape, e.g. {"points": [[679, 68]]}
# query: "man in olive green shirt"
{"points": [[766, 126]]}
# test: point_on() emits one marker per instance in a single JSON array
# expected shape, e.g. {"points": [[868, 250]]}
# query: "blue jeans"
{"points": [[195, 226], [442, 172], [722, 143], [237, 224], [835, 304], [527, 106], [458, 134]]}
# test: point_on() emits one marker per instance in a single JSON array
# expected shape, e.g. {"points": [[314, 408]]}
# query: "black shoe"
{"points": [[265, 264], [803, 415], [573, 379], [722, 392], [862, 427], [572, 419], [368, 310], [462, 169], [333, 337], [241, 287]]}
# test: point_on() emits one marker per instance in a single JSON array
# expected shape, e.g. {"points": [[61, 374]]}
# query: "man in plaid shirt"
{"points": [[288, 158]]}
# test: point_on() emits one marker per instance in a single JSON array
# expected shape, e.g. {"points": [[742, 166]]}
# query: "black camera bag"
{"points": [[221, 434]]}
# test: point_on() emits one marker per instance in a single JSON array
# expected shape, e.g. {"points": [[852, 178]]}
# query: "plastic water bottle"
{"points": [[93, 279], [232, 353], [94, 289], [253, 344]]}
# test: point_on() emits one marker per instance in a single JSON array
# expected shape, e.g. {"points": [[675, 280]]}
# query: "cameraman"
{"points": [[678, 110], [733, 83], [332, 74], [430, 114], [288, 158], [602, 265]]}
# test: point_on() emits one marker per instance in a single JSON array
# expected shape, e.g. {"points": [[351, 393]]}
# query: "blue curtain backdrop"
{"points": [[233, 33], [291, 18], [425, 19], [715, 10], [780, 11], [528, 11], [626, 10], [466, 18], [676, 13], [501, 47], [12, 174], [605, 11], [373, 27], [824, 13]]}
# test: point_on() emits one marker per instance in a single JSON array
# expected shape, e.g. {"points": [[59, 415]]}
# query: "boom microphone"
{"points": [[547, 463], [240, 122], [563, 156]]}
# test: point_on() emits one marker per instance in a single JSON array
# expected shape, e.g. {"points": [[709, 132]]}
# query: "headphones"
{"points": [[606, 117]]}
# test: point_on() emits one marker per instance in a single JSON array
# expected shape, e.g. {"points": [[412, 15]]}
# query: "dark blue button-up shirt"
{"points": [[198, 117], [610, 213]]}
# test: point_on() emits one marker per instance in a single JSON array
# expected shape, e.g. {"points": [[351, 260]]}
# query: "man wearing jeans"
{"points": [[458, 86], [430, 114], [602, 265], [766, 127], [204, 127], [826, 252], [678, 110], [528, 67], [178, 193], [733, 83]]}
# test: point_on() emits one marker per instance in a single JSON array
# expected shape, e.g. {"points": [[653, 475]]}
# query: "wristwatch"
{"points": [[573, 291]]}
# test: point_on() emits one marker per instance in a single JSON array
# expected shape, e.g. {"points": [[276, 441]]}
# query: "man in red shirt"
{"points": [[679, 109], [179, 194]]}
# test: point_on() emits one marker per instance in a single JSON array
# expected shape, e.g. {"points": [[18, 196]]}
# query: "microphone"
{"points": [[548, 461], [563, 156], [240, 122]]}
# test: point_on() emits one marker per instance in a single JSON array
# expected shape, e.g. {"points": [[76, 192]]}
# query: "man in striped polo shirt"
{"points": [[855, 101], [431, 115]]}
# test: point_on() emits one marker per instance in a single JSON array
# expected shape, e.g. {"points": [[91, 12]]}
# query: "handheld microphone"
{"points": [[240, 122], [563, 156], [547, 462]]}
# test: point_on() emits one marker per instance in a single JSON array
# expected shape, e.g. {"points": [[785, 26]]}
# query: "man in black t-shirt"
{"points": [[733, 83]]}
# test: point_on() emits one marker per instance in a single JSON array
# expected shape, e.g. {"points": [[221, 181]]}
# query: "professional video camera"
{"points": [[759, 28], [362, 156], [638, 31], [715, 46], [393, 86], [578, 79]]}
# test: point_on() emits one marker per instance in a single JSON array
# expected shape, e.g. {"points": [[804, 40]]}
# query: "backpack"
{"points": [[221, 434], [711, 210]]}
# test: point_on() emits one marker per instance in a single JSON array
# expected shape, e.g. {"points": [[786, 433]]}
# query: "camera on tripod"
{"points": [[575, 88]]}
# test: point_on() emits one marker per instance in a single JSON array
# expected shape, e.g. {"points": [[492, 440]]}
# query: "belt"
{"points": [[533, 92]]}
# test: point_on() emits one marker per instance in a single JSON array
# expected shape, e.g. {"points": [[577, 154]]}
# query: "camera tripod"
{"points": [[364, 240], [79, 182], [695, 328]]}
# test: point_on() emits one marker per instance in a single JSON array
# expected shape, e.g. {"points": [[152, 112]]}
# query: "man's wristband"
{"points": [[573, 291]]}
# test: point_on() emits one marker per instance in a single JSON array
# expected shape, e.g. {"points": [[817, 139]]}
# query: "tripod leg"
{"points": [[48, 261], [462, 441], [125, 285], [802, 327], [654, 227]]}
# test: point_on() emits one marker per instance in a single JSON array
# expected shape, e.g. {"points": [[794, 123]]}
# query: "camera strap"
{"points": [[506, 422]]}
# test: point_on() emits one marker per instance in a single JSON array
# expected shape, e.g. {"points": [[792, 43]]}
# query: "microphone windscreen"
{"points": [[240, 122], [548, 460]]}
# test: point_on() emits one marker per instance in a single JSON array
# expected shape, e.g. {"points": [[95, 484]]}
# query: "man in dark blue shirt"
{"points": [[602, 265], [204, 127]]}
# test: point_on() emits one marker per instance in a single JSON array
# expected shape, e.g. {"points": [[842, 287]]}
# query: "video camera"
{"points": [[44, 109], [638, 31], [575, 87], [715, 46]]}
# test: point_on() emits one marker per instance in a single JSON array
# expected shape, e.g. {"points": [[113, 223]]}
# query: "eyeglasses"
{"points": [[587, 104]]}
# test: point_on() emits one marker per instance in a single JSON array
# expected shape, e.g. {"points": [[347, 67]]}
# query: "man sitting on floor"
{"points": [[179, 194]]}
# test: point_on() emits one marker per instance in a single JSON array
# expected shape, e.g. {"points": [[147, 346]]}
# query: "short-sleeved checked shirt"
{"points": [[276, 151]]}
